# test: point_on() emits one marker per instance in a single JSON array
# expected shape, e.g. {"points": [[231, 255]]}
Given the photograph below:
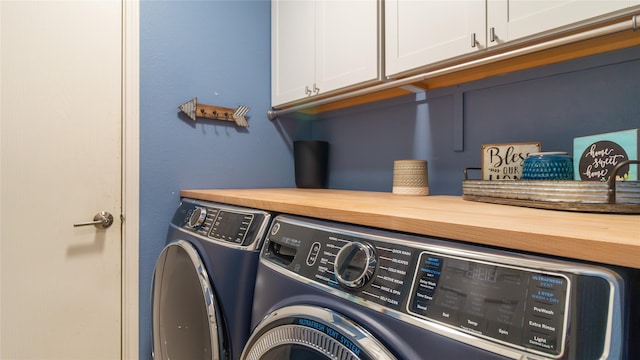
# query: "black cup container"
{"points": [[310, 162]]}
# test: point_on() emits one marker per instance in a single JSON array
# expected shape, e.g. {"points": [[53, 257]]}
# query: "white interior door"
{"points": [[60, 164]]}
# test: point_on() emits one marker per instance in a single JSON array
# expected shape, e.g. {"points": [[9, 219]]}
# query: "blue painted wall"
{"points": [[551, 104], [218, 51]]}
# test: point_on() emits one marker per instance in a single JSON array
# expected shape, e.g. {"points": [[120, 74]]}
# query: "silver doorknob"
{"points": [[102, 220]]}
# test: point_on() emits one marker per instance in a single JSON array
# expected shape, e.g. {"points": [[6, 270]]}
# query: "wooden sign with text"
{"points": [[595, 156], [504, 161]]}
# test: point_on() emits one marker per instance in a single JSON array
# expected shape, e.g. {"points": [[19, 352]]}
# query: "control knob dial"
{"points": [[355, 264], [197, 217]]}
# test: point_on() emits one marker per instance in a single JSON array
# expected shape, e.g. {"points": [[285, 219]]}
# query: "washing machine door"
{"points": [[187, 323], [312, 333]]}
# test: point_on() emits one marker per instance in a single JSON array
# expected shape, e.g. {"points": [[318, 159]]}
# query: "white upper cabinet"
{"points": [[347, 43], [514, 19], [419, 33], [292, 49], [319, 46]]}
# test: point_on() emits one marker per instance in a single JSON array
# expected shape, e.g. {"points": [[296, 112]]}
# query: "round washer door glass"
{"points": [[186, 319], [312, 333]]}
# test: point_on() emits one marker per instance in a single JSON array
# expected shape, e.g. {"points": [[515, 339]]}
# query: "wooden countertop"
{"points": [[603, 238]]}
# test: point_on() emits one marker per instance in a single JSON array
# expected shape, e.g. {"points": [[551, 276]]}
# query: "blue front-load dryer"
{"points": [[327, 290], [203, 282]]}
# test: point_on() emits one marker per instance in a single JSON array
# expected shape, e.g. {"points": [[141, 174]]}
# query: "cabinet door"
{"points": [[420, 33], [347, 43], [514, 19], [292, 49]]}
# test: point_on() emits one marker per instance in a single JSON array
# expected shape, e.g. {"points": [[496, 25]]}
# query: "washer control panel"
{"points": [[514, 305], [219, 222], [378, 272], [491, 295]]}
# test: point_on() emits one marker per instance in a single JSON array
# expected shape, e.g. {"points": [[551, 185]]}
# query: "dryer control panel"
{"points": [[222, 223], [503, 300]]}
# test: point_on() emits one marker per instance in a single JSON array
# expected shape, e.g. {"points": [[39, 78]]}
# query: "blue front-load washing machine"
{"points": [[203, 281], [326, 290]]}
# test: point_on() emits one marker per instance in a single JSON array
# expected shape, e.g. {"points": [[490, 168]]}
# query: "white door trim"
{"points": [[0, 179], [131, 177]]}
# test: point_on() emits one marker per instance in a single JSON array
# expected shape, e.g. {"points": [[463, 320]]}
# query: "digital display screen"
{"points": [[517, 306], [231, 226]]}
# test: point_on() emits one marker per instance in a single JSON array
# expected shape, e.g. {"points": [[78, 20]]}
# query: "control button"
{"points": [[540, 341], [355, 264], [428, 285], [442, 314], [551, 283], [545, 310], [197, 217], [275, 228], [420, 307], [504, 332], [313, 253], [475, 324], [541, 324], [424, 296], [546, 296]]}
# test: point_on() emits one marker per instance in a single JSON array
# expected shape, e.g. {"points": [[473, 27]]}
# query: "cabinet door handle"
{"points": [[474, 41], [492, 34], [316, 89], [307, 91]]}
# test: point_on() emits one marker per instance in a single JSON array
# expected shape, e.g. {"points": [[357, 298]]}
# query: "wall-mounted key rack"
{"points": [[195, 110]]}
